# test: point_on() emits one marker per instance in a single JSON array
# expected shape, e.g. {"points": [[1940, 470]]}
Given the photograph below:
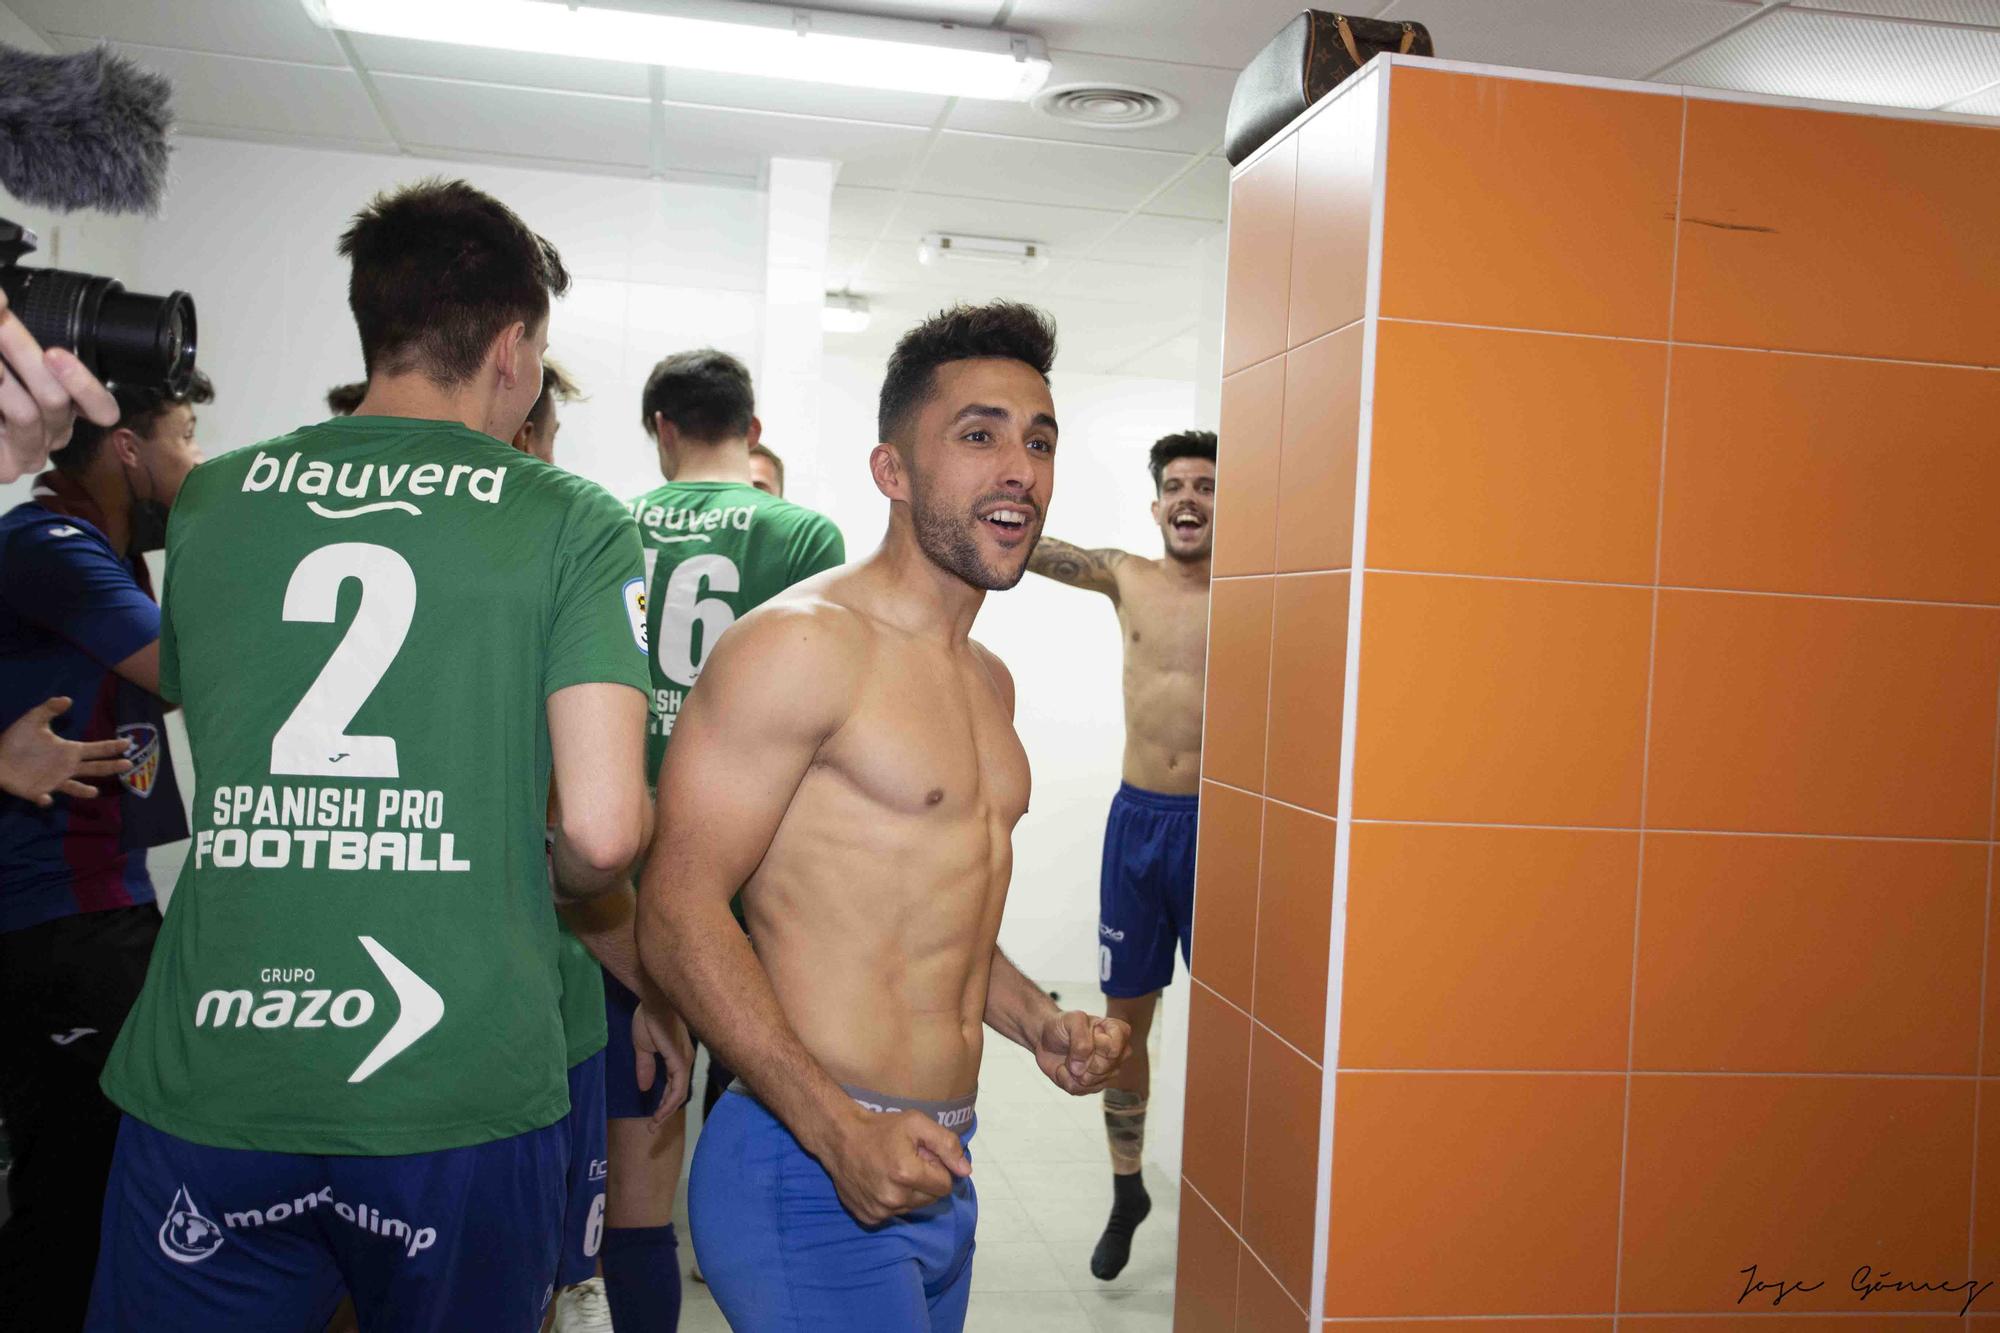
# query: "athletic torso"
{"points": [[876, 909], [364, 620], [1163, 621]]}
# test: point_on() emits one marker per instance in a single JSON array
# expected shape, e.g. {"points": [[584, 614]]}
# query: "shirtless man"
{"points": [[849, 761], [1146, 887]]}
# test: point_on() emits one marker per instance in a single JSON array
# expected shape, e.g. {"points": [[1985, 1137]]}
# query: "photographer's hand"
{"points": [[40, 394]]}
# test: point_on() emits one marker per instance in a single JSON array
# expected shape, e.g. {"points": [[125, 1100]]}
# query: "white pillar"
{"points": [[798, 221]]}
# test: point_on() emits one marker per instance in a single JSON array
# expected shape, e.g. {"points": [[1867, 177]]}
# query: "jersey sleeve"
{"points": [[598, 628], [816, 548], [66, 580]]}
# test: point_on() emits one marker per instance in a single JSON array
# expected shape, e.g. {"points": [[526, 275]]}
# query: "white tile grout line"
{"points": [[1985, 981], [1610, 828], [1350, 706], [1636, 587], [1973, 366], [1244, 1245], [1646, 737], [1256, 1022]]}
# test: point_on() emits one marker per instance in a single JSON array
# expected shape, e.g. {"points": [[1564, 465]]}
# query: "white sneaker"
{"points": [[583, 1308]]}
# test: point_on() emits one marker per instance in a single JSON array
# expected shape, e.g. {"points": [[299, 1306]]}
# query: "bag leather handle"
{"points": [[1354, 52]]}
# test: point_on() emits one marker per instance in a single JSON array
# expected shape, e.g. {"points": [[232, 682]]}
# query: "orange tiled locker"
{"points": [[1593, 919]]}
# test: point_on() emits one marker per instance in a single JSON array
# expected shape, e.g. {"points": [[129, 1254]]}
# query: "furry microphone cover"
{"points": [[87, 130]]}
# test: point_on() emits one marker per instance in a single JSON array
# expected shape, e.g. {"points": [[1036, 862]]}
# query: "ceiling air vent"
{"points": [[1106, 106]]}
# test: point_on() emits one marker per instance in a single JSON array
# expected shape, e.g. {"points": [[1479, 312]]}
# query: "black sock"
{"points": [[1129, 1206]]}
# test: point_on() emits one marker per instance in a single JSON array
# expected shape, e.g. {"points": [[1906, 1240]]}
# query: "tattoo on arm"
{"points": [[1095, 571]]}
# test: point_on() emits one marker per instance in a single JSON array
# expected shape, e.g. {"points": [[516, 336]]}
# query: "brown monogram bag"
{"points": [[1305, 62]]}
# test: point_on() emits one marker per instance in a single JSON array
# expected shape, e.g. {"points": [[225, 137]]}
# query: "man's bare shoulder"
{"points": [[1003, 679]]}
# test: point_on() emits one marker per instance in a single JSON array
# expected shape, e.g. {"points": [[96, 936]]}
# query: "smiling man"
{"points": [[848, 760], [1146, 887]]}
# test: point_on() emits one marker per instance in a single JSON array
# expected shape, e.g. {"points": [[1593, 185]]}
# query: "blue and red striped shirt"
{"points": [[72, 608]]}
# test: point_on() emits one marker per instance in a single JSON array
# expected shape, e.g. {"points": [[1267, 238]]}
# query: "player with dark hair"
{"points": [[1146, 884], [767, 470], [342, 399], [849, 764], [716, 547], [77, 922], [537, 436], [388, 632]]}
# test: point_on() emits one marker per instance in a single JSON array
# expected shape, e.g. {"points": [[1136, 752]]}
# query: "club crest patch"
{"points": [[635, 611], [143, 738]]}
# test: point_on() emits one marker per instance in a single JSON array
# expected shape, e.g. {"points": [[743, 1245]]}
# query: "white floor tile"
{"points": [[1015, 1265], [1129, 1311], [1030, 1312]]}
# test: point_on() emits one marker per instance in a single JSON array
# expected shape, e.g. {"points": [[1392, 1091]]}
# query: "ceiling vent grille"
{"points": [[1106, 106]]}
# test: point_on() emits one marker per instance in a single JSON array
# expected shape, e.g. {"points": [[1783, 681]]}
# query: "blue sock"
{"points": [[642, 1278]]}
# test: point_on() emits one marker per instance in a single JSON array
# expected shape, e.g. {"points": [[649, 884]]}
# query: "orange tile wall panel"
{"points": [[1986, 1207], [1317, 453], [1474, 1193], [1529, 205], [1308, 687], [1218, 1085], [1205, 1272], [1515, 454], [1754, 729], [1262, 1305], [1484, 948], [1811, 954], [1246, 474], [1815, 232], [1807, 1178], [1239, 677], [1488, 701], [1228, 843], [1336, 194], [1824, 475], [1280, 1186], [1294, 910], [1779, 1322], [1990, 1064], [1477, 1325], [1260, 258]]}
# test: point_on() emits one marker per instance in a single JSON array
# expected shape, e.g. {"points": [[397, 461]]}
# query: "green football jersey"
{"points": [[585, 1031], [715, 550], [363, 621]]}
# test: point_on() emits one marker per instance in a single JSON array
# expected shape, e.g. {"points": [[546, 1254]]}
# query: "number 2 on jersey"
{"points": [[684, 610], [314, 740]]}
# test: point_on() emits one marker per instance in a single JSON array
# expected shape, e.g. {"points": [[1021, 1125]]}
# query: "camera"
{"points": [[120, 336]]}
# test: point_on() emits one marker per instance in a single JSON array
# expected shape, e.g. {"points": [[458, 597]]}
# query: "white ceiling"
{"points": [[1120, 212]]}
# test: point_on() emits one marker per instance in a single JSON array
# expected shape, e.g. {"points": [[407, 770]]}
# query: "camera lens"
{"points": [[122, 337]]}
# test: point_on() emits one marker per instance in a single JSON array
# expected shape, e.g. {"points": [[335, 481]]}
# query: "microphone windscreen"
{"points": [[86, 130]]}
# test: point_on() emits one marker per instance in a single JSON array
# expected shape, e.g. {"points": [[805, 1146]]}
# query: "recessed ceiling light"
{"points": [[1106, 106], [844, 312], [942, 248], [725, 37]]}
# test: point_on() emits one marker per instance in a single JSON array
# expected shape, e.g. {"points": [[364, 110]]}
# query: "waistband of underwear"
{"points": [[955, 1114], [1157, 800]]}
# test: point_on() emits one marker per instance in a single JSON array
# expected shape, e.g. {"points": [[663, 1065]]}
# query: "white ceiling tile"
{"points": [[443, 60], [1986, 104], [1202, 93], [712, 139], [1621, 38], [263, 96], [978, 13], [1074, 174], [1098, 278], [1944, 11], [861, 210], [1147, 239], [518, 122], [1199, 32], [275, 29], [1202, 193], [1059, 229], [806, 99], [1797, 54]]}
